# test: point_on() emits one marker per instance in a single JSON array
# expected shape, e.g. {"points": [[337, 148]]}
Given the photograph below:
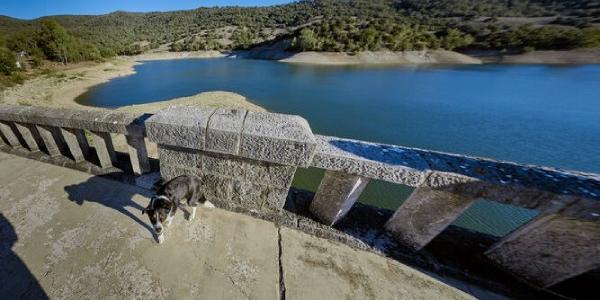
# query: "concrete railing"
{"points": [[71, 132], [248, 159]]}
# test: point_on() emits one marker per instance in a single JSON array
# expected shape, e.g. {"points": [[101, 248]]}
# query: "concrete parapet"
{"points": [[244, 158], [225, 130], [230, 180], [277, 138], [248, 160], [376, 161], [180, 126], [93, 120]]}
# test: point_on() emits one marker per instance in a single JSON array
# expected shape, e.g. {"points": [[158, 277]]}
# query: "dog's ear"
{"points": [[158, 184], [149, 207]]}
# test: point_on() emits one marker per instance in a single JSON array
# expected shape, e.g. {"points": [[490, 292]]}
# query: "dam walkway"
{"points": [[65, 234]]}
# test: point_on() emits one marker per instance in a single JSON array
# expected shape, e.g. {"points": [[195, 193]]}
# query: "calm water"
{"points": [[530, 113]]}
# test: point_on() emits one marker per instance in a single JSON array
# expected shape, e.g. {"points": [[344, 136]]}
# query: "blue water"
{"points": [[536, 114]]}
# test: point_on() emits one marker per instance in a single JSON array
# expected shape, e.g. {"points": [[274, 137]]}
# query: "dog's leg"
{"points": [[193, 215], [161, 238], [171, 216], [207, 204]]}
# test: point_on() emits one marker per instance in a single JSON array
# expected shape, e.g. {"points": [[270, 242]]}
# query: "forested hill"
{"points": [[319, 25]]}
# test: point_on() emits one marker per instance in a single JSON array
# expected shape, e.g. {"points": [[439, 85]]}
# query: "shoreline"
{"points": [[62, 86], [548, 57], [65, 84]]}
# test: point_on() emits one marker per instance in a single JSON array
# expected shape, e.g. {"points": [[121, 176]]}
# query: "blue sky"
{"points": [[30, 9]]}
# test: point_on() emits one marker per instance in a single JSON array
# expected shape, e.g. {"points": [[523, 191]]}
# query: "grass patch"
{"points": [[24, 103]]}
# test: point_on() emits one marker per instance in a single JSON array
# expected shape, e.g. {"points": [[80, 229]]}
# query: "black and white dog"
{"points": [[170, 196]]}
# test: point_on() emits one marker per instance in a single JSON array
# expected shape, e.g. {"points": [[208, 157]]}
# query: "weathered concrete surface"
{"points": [[66, 234], [422, 216], [82, 237], [315, 268], [182, 126], [230, 180], [336, 195], [377, 161], [224, 130], [550, 249], [277, 138]]}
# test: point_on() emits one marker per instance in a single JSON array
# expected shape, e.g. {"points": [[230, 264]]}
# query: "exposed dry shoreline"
{"points": [[577, 56], [62, 87], [382, 58]]}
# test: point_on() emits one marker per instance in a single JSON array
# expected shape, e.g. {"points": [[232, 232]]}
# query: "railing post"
{"points": [[52, 139], [138, 154], [27, 133], [554, 246], [335, 196], [9, 134], [76, 142], [426, 213], [104, 148]]}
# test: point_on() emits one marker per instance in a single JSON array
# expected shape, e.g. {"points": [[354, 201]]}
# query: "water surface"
{"points": [[533, 114]]}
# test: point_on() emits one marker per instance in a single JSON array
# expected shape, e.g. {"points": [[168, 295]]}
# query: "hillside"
{"points": [[348, 26], [238, 28]]}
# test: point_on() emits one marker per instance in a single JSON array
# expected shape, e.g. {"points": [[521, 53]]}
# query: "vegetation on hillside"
{"points": [[318, 25]]}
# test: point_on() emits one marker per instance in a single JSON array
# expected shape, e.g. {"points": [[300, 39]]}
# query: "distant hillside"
{"points": [[334, 25]]}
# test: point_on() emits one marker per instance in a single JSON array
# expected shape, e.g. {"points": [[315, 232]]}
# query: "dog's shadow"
{"points": [[115, 195]]}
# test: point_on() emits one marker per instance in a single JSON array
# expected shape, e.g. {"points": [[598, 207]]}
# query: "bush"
{"points": [[17, 77], [591, 38], [8, 61], [528, 49]]}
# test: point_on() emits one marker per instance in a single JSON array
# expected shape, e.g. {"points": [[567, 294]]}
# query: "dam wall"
{"points": [[247, 161]]}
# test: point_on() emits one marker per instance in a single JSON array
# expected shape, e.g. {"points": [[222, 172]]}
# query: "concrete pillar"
{"points": [[104, 148], [76, 142], [27, 133], [10, 135], [424, 215], [138, 154], [245, 159], [336, 194], [553, 247], [52, 139]]}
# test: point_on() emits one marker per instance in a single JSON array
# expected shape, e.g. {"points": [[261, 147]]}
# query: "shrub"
{"points": [[8, 61]]}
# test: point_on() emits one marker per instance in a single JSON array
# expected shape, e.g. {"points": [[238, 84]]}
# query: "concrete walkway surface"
{"points": [[69, 235]]}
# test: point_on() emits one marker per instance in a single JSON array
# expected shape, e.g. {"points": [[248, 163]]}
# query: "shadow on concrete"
{"points": [[16, 281], [108, 193]]}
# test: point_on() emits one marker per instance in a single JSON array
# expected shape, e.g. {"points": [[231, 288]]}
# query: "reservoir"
{"points": [[535, 114]]}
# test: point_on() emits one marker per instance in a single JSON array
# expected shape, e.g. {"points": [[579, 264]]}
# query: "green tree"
{"points": [[8, 61], [591, 38], [307, 41], [454, 38], [54, 41]]}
